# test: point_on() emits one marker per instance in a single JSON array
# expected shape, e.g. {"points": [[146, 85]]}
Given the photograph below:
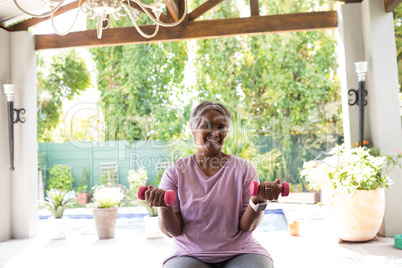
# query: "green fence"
{"points": [[91, 155], [151, 153]]}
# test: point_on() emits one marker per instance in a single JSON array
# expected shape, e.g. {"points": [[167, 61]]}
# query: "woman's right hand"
{"points": [[155, 197]]}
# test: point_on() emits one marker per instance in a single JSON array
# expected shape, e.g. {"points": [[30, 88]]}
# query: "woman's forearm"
{"points": [[170, 223], [251, 219]]}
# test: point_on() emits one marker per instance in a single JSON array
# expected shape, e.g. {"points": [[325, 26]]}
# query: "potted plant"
{"points": [[356, 179], [82, 195], [57, 202], [106, 201], [137, 178]]}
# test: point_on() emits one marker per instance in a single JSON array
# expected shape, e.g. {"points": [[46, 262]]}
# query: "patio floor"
{"points": [[316, 247]]}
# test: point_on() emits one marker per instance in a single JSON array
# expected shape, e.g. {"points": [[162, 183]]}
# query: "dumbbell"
{"points": [[254, 188], [169, 197]]}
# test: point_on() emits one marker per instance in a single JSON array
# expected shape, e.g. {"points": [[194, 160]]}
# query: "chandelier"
{"points": [[102, 9]]}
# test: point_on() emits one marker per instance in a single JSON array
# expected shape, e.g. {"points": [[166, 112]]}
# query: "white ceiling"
{"points": [[9, 13]]}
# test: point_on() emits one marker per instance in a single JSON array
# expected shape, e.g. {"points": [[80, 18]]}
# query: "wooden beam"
{"points": [[202, 9], [194, 29], [254, 10], [349, 1], [390, 5]]}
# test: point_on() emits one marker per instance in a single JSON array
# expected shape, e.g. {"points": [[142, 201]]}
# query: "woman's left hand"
{"points": [[269, 190]]}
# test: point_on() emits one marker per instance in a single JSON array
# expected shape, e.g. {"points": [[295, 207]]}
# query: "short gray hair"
{"points": [[205, 106]]}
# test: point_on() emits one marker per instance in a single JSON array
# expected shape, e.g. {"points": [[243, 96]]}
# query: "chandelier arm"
{"points": [[69, 30], [133, 20], [156, 20], [99, 27], [51, 12], [144, 34]]}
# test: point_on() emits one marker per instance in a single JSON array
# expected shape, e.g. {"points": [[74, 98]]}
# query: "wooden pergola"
{"points": [[191, 27]]}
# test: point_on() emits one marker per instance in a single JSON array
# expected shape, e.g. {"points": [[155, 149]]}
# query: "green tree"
{"points": [[141, 88], [63, 78], [398, 38]]}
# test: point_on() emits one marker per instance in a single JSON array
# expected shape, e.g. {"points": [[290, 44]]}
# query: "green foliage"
{"points": [[398, 38], [61, 79], [83, 182], [41, 159], [60, 178], [137, 84], [56, 203]]}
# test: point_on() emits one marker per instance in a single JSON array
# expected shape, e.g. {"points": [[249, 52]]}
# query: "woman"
{"points": [[213, 215]]}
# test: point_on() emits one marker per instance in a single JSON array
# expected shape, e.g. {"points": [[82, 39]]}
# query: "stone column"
{"points": [[366, 33], [5, 177]]}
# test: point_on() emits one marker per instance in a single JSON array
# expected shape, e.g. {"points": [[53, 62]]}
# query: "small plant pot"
{"points": [[152, 230], [105, 220], [57, 228], [294, 228], [82, 198]]}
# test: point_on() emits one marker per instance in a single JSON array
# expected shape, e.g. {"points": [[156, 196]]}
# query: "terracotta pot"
{"points": [[82, 198], [152, 227], [358, 217], [105, 220]]}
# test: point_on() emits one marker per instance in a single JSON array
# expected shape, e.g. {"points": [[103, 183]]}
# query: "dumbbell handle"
{"points": [[168, 198], [254, 188]]}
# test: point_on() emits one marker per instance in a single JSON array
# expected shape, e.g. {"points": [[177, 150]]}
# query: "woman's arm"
{"points": [[170, 222], [251, 219]]}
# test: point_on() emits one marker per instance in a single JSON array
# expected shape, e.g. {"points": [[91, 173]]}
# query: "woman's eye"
{"points": [[222, 128]]}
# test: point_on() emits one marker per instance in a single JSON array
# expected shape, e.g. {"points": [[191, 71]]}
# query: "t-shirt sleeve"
{"points": [[169, 182], [249, 175]]}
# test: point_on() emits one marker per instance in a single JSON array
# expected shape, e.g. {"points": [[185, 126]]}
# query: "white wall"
{"points": [[18, 188], [5, 186]]}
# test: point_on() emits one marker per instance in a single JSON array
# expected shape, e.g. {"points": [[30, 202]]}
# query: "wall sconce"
{"points": [[9, 91], [361, 93]]}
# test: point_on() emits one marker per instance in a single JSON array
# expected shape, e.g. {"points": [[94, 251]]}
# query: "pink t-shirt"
{"points": [[211, 208]]}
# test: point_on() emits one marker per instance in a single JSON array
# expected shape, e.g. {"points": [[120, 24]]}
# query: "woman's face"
{"points": [[211, 132]]}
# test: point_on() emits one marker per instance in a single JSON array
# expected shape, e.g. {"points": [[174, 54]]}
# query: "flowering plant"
{"points": [[360, 168], [107, 196]]}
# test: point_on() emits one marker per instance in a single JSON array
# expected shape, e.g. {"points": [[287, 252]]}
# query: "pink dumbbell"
{"points": [[169, 197], [254, 187]]}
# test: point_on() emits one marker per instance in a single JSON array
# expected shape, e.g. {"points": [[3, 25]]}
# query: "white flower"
{"points": [[107, 197], [348, 170]]}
